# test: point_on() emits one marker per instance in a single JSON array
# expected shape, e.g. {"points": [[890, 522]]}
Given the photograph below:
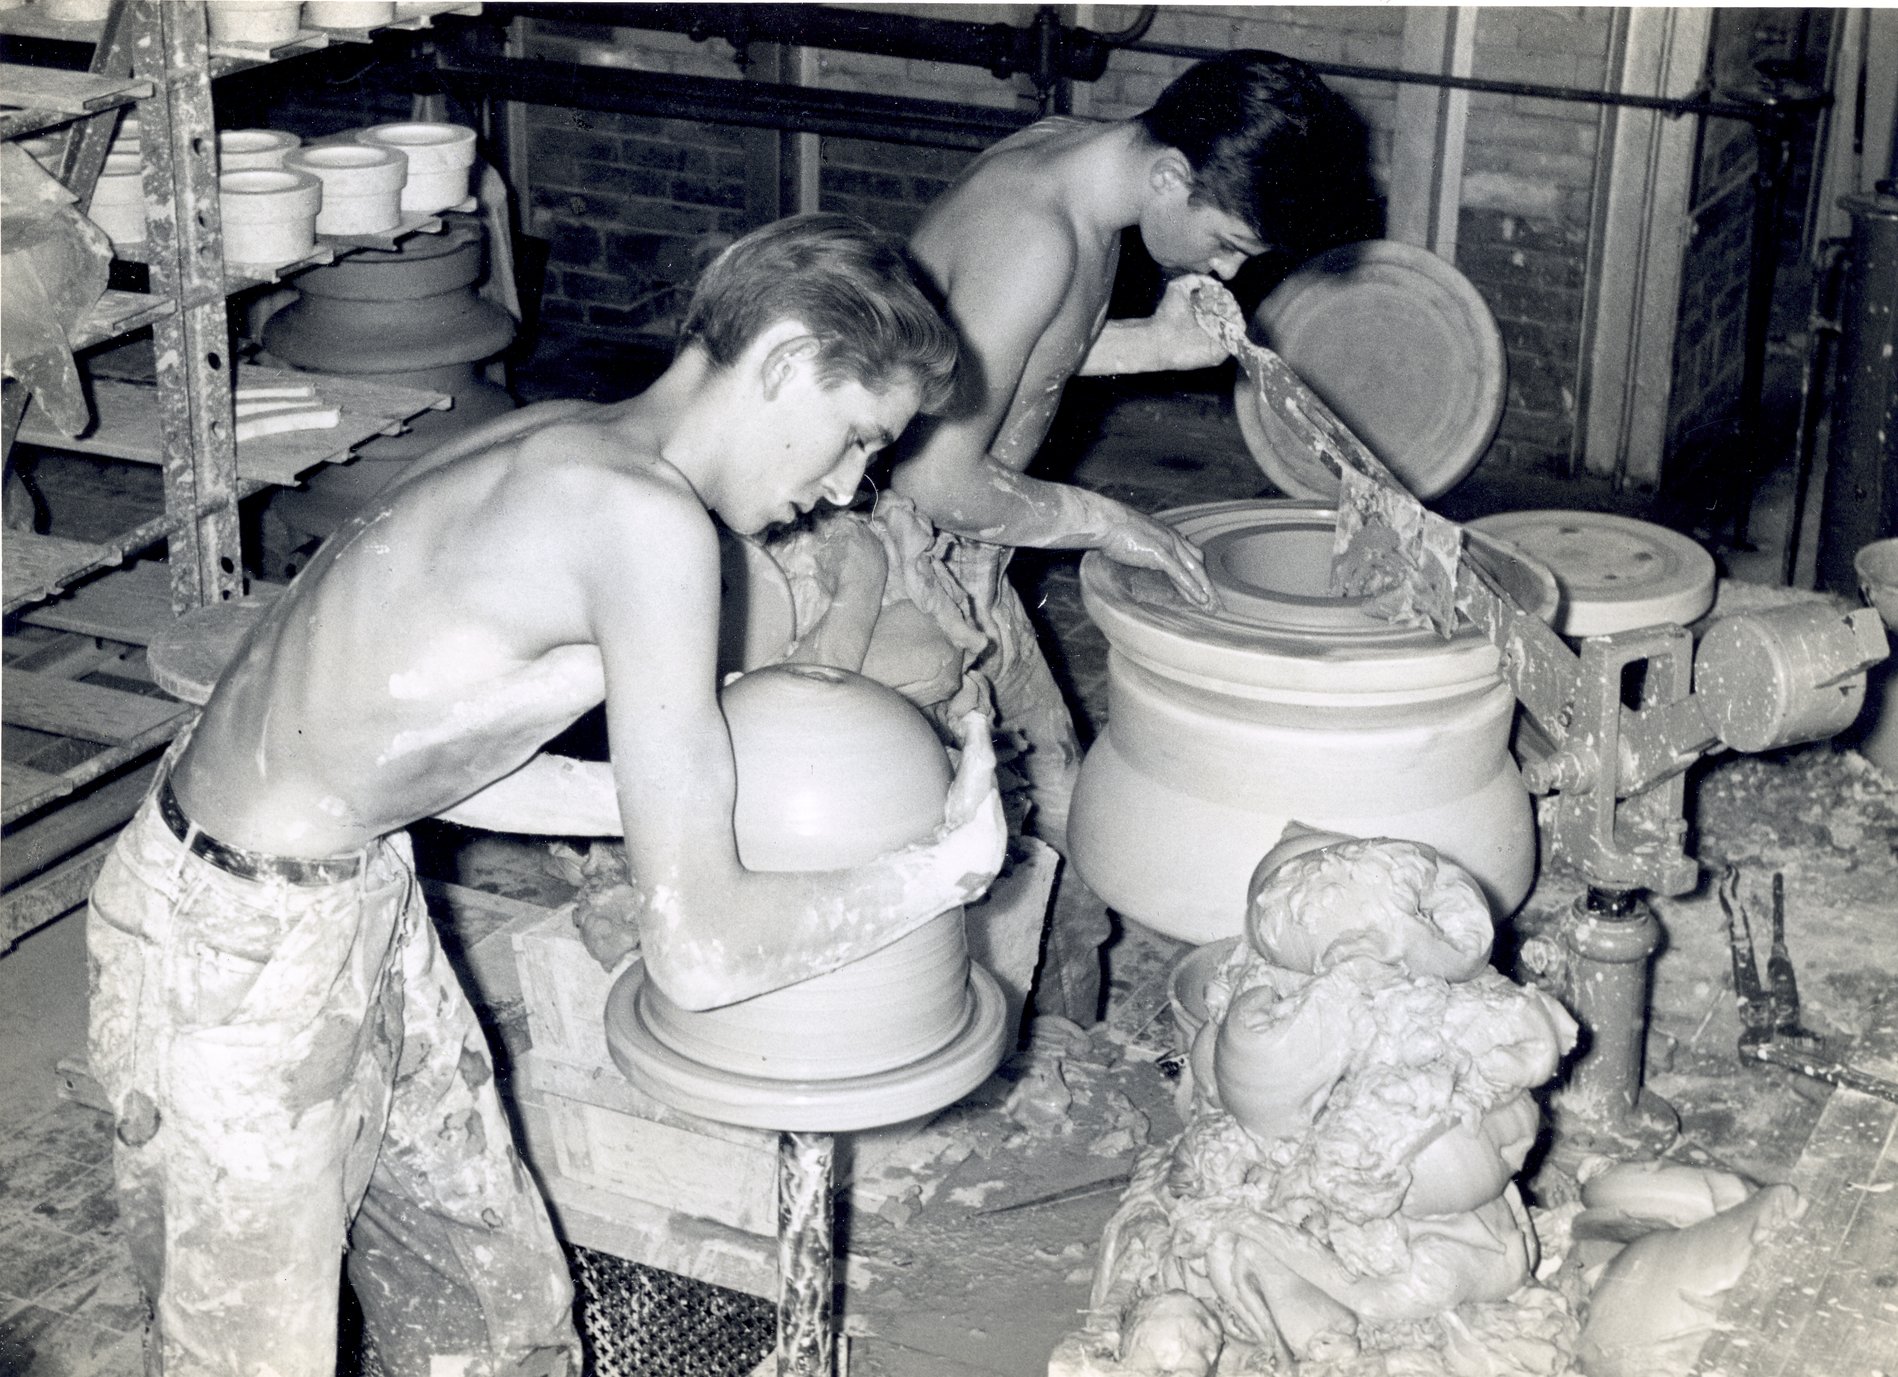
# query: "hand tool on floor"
{"points": [[1616, 768], [1770, 1030]]}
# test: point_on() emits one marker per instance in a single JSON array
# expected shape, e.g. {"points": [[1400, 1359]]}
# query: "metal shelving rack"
{"points": [[83, 721]]}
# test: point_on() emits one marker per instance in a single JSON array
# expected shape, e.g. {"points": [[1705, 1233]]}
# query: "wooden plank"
{"points": [[119, 313], [66, 707], [127, 424], [37, 566], [128, 605], [1820, 1299], [55, 891], [67, 92], [19, 783], [652, 1235]]}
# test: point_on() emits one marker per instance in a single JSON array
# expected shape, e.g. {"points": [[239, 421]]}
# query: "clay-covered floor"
{"points": [[943, 1279]]}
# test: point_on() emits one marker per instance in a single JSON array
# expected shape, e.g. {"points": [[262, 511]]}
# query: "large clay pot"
{"points": [[1287, 704], [833, 770]]}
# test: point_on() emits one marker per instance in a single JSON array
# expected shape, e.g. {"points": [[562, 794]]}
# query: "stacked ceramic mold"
{"points": [[278, 195], [118, 198]]}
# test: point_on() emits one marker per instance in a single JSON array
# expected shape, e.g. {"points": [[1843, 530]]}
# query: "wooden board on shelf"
{"points": [[385, 240], [64, 92], [119, 313], [302, 41], [127, 423], [130, 605], [85, 712], [37, 566]]}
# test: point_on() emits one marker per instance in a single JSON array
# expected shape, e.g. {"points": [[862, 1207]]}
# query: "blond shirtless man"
{"points": [[1241, 153], [293, 1067]]}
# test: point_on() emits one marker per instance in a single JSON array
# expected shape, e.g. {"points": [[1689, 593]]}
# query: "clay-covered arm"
{"points": [[549, 796], [951, 473], [1167, 339], [710, 931]]}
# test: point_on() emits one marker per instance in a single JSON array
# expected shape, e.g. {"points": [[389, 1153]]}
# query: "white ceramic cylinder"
{"points": [[75, 10], [440, 158], [254, 23], [1287, 705], [269, 215], [118, 200], [347, 14], [362, 186], [246, 150]]}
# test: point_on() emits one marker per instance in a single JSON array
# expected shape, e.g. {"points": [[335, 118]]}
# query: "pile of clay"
{"points": [[1342, 1198]]}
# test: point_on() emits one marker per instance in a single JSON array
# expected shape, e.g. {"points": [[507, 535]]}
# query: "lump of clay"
{"points": [[1344, 1185], [1657, 1300], [1394, 902]]}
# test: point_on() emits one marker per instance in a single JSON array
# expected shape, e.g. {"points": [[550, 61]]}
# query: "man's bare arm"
{"points": [[1168, 339], [549, 796], [952, 474], [712, 932]]}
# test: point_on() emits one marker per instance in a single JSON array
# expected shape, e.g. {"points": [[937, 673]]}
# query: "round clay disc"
{"points": [[808, 1106], [1616, 573], [1401, 346], [187, 656]]}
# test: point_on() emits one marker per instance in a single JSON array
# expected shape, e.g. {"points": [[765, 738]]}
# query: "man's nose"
{"points": [[1226, 265], [842, 484]]}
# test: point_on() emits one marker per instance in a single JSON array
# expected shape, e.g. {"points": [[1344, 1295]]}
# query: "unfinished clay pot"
{"points": [[254, 23], [440, 158], [118, 200], [347, 14], [833, 770], [362, 186], [269, 215], [246, 150], [1287, 704]]}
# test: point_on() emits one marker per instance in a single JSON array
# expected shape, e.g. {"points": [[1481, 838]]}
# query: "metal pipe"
{"points": [[1815, 389], [1061, 50], [756, 104], [806, 1274], [1702, 102]]}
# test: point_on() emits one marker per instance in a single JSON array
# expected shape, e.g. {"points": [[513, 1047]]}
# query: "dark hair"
{"points": [[852, 286], [1270, 143]]}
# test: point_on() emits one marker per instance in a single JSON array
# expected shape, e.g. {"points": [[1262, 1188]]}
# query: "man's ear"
{"points": [[797, 349], [1171, 173]]}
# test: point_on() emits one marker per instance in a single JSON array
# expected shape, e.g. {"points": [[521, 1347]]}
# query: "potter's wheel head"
{"points": [[1278, 625]]}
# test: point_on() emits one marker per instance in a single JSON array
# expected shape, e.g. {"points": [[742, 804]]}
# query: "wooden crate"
{"points": [[628, 1175]]}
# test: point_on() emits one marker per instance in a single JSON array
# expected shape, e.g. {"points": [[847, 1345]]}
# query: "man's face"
{"points": [[819, 438], [1185, 235]]}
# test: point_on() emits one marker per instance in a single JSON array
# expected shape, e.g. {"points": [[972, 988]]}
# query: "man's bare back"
{"points": [[433, 645], [1010, 208]]}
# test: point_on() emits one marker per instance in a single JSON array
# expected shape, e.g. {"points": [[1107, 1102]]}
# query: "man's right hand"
{"points": [[1148, 544]]}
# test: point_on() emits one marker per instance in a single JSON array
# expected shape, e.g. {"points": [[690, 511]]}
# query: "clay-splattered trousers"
{"points": [[1030, 707], [295, 1070]]}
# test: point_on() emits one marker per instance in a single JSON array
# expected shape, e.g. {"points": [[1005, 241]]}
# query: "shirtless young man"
{"points": [[1240, 153], [291, 1062]]}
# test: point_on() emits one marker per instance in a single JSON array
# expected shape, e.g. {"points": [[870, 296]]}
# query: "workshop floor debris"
{"points": [[984, 1262]]}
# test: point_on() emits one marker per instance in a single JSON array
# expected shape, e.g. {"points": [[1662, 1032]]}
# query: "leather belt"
{"points": [[251, 865]]}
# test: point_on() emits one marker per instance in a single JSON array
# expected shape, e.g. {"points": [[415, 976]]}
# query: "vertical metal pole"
{"points": [[804, 1258], [192, 346], [1612, 935]]}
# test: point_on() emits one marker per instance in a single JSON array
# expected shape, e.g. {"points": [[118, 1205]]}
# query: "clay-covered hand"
{"points": [[1187, 344], [1148, 544], [974, 834]]}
